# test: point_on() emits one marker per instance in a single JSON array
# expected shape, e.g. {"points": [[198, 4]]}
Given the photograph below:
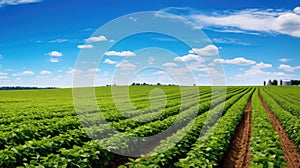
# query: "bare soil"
{"points": [[291, 152], [239, 155]]}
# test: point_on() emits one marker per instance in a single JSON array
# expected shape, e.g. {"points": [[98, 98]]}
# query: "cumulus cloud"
{"points": [[235, 61], [288, 68], [170, 64], [54, 60], [96, 39], [93, 70], [108, 61], [120, 54], [151, 60], [297, 10], [17, 2], [284, 60], [24, 73], [55, 54], [262, 65], [209, 50], [44, 72], [160, 73], [85, 46], [247, 20], [73, 71], [126, 65], [186, 58], [256, 71], [3, 73]]}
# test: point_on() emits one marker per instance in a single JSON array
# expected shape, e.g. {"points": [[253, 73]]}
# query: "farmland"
{"points": [[247, 127]]}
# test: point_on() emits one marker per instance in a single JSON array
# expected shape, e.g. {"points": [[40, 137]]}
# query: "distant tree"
{"points": [[269, 83], [295, 82], [133, 84], [281, 82], [274, 82], [158, 84], [265, 83]]}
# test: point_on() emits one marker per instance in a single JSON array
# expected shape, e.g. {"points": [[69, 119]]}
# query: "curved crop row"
{"points": [[209, 150], [90, 160], [294, 109], [190, 135]]}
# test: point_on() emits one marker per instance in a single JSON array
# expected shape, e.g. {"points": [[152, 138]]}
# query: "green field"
{"points": [[41, 128]]}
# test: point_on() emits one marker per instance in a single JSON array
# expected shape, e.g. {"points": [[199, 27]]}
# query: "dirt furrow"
{"points": [[239, 155], [291, 152]]}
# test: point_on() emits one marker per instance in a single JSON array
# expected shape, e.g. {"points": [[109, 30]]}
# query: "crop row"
{"points": [[209, 150], [294, 109], [290, 123], [265, 143], [78, 157], [188, 136]]}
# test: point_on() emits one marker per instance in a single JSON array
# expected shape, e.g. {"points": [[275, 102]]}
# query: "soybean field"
{"points": [[234, 126]]}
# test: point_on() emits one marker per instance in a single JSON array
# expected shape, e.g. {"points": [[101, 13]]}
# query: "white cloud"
{"points": [[93, 70], [55, 54], [256, 72], [235, 61], [108, 61], [284, 60], [58, 41], [24, 73], [209, 50], [19, 80], [288, 68], [27, 73], [229, 41], [248, 20], [85, 46], [151, 60], [17, 2], [3, 77], [126, 65], [170, 64], [120, 54], [54, 60], [73, 71], [3, 73], [160, 73], [186, 58], [96, 39], [297, 10], [262, 65], [44, 72]]}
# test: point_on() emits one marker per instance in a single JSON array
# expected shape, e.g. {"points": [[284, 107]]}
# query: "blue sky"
{"points": [[41, 42]]}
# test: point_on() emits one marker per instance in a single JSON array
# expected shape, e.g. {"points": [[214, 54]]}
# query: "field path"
{"points": [[291, 152], [238, 155]]}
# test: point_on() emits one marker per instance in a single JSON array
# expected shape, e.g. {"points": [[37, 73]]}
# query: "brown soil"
{"points": [[238, 155], [291, 152], [117, 161]]}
